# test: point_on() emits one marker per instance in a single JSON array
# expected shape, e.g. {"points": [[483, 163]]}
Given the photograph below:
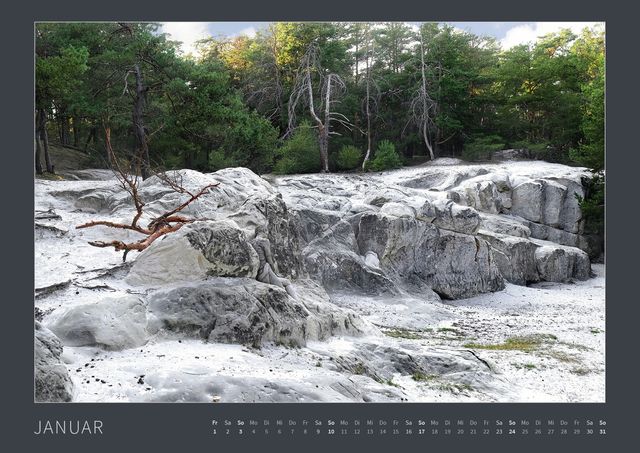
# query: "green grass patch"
{"points": [[455, 388], [562, 357], [519, 343], [524, 366], [403, 333], [50, 177], [419, 376], [450, 330], [576, 346], [391, 383], [359, 368]]}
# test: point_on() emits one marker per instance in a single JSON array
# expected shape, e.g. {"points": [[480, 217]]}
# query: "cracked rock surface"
{"points": [[443, 282]]}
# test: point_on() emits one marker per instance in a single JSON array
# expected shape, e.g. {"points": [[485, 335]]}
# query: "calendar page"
{"points": [[256, 228]]}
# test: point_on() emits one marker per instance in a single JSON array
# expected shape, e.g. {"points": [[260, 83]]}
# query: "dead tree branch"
{"points": [[159, 226], [423, 106], [331, 88]]}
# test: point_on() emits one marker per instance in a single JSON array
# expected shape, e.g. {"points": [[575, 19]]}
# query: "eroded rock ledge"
{"points": [[443, 230]]}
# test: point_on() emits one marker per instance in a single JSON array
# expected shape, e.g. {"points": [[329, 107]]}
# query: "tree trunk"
{"points": [[63, 127], [323, 140], [38, 145], [76, 132], [278, 83], [425, 107], [142, 148], [107, 144], [324, 131], [367, 109], [92, 136], [356, 56], [65, 130], [58, 123], [44, 136]]}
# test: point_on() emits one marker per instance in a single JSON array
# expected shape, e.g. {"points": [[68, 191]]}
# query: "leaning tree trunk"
{"points": [[323, 129], [142, 147], [44, 136]]}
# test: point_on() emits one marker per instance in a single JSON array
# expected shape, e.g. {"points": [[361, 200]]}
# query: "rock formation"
{"points": [[52, 381], [444, 230]]}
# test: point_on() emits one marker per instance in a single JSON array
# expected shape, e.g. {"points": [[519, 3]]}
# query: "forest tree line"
{"points": [[306, 97]]}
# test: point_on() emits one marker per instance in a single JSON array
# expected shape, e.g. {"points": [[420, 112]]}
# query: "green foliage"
{"points": [[349, 157], [59, 75], [537, 147], [228, 105], [592, 206], [218, 160], [385, 157], [590, 151], [481, 148], [300, 153]]}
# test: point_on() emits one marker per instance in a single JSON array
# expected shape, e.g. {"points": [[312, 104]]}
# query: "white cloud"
{"points": [[249, 32], [187, 33], [530, 32]]}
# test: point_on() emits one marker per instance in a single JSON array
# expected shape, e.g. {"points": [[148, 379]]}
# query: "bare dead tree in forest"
{"points": [[422, 105], [332, 86], [159, 226], [371, 99]]}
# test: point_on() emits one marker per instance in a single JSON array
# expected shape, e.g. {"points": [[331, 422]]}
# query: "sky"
{"points": [[509, 34]]}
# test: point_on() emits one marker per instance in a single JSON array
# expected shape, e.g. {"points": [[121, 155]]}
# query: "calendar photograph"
{"points": [[319, 212]]}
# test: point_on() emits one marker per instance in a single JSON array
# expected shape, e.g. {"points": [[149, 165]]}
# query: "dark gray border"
{"points": [[167, 427]]}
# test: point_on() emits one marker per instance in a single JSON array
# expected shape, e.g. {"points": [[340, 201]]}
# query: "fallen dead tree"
{"points": [[159, 226]]}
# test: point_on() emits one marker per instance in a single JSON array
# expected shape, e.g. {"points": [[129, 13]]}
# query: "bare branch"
{"points": [[159, 226], [126, 82]]}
